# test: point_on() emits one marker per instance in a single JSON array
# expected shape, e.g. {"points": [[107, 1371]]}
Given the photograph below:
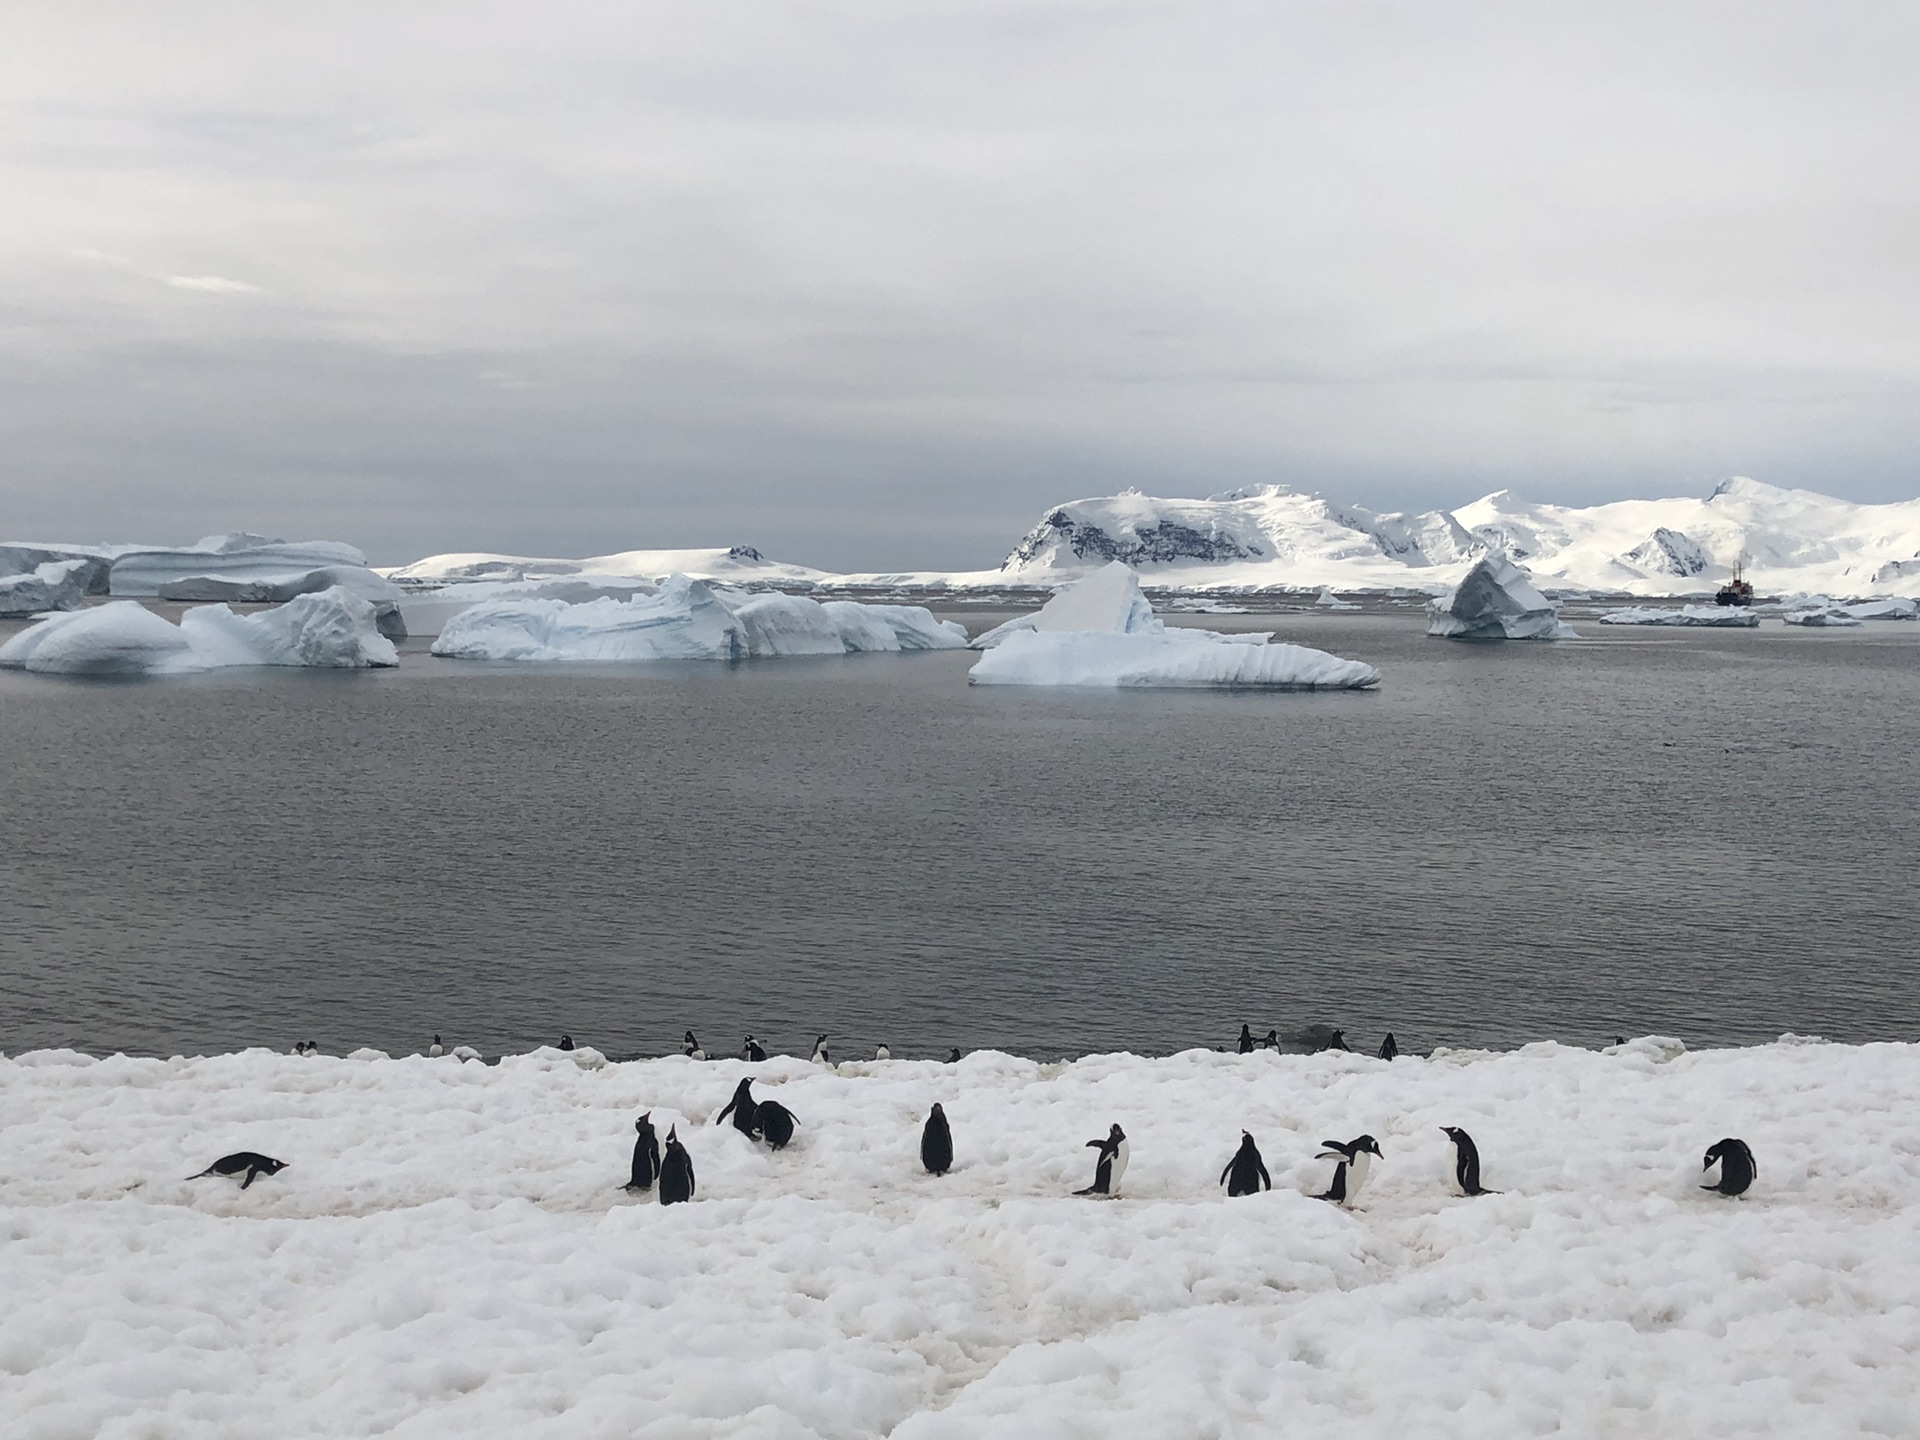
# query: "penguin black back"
{"points": [[1389, 1047], [776, 1124], [676, 1171], [1109, 1165], [1337, 1041], [249, 1163], [1246, 1039], [936, 1143], [753, 1051], [1736, 1166], [646, 1154], [746, 1118], [1466, 1162], [566, 1042], [1246, 1173]]}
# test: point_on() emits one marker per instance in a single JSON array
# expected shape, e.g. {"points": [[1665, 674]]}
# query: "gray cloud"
{"points": [[869, 285]]}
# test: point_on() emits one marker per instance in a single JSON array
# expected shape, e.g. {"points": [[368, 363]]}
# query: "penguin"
{"points": [[753, 1050], [1109, 1165], [249, 1163], [820, 1056], [307, 1048], [646, 1154], [1270, 1041], [954, 1057], [1466, 1162], [883, 1053], [299, 1048], [936, 1143], [1736, 1166], [745, 1113], [1355, 1157], [1246, 1173], [436, 1049], [1389, 1047], [776, 1124], [566, 1042], [690, 1048], [1337, 1041], [676, 1171], [1246, 1039]]}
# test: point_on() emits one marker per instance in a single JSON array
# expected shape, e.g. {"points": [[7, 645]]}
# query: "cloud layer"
{"points": [[868, 285]]}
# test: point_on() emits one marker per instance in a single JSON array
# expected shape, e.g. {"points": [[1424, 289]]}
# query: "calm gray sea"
{"points": [[1703, 834]]}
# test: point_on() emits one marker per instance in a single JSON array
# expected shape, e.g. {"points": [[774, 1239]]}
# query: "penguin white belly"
{"points": [[1119, 1167], [1357, 1174]]}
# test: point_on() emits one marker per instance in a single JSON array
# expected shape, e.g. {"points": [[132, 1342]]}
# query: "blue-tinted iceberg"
{"points": [[1496, 600], [53, 585]]}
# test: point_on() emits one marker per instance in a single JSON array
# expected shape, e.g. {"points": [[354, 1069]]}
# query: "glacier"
{"points": [[1101, 631], [688, 619], [1724, 617], [333, 629], [1496, 600]]}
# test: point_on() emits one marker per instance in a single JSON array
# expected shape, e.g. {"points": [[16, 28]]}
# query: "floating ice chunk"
{"points": [[1834, 616], [274, 587], [1174, 658], [893, 627], [19, 559], [1327, 600], [1108, 601], [52, 585], [778, 624], [1496, 600], [1897, 609], [1719, 616], [123, 638], [231, 557], [426, 612]]}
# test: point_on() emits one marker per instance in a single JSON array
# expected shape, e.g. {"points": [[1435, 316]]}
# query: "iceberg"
{"points": [[17, 559], [688, 619], [1496, 600], [334, 629], [426, 612], [52, 585], [1730, 617], [1102, 632], [270, 565], [1834, 616], [1327, 600], [1896, 609]]}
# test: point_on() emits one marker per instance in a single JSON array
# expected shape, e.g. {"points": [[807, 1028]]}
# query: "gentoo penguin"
{"points": [[1466, 1162], [690, 1048], [1336, 1041], [1246, 1173], [1389, 1047], [676, 1171], [1246, 1039], [776, 1124], [436, 1049], [646, 1154], [1109, 1165], [1736, 1166], [882, 1052], [745, 1113], [1355, 1157], [954, 1057], [566, 1042], [753, 1050], [250, 1164], [936, 1143], [1270, 1041], [307, 1048], [820, 1056]]}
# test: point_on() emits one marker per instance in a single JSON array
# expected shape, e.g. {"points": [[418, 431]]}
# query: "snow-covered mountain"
{"points": [[1790, 540]]}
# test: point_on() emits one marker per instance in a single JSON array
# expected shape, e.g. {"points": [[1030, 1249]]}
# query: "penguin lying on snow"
{"points": [[1246, 1173], [776, 1124], [936, 1143], [744, 1111], [1736, 1166], [646, 1154], [247, 1162], [676, 1171], [1109, 1165], [1355, 1157], [1466, 1162]]}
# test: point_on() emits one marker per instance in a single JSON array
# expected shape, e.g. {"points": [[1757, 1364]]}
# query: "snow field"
{"points": [[449, 1251]]}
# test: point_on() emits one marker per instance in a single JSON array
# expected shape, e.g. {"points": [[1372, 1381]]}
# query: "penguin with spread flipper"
{"points": [[1246, 1173], [746, 1114], [1355, 1159], [1109, 1165]]}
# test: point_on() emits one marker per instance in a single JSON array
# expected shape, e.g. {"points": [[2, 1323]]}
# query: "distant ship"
{"points": [[1736, 591]]}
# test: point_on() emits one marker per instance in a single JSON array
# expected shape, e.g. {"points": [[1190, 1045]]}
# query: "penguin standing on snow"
{"points": [[1466, 1162], [646, 1154], [1389, 1047], [1337, 1041], [1109, 1165], [936, 1143], [436, 1049], [752, 1050], [776, 1124], [1246, 1039], [1271, 1040], [1246, 1173], [820, 1056], [745, 1113], [690, 1047], [953, 1057], [676, 1171], [883, 1052], [253, 1165], [1356, 1160], [1736, 1166], [566, 1042]]}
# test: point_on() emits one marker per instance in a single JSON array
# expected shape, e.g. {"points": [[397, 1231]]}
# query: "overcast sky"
{"points": [[871, 285]]}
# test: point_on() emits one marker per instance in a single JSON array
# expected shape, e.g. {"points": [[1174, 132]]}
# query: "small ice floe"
{"points": [[1722, 617], [1102, 632], [1327, 600], [1826, 616], [1496, 600]]}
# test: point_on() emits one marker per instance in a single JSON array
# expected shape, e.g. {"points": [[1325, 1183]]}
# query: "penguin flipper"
{"points": [[252, 1175]]}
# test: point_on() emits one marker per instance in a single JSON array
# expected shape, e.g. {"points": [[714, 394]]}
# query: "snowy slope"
{"points": [[740, 564], [449, 1252]]}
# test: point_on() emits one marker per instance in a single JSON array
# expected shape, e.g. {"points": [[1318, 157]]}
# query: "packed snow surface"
{"points": [[449, 1251], [1496, 600], [333, 629], [688, 619], [51, 585], [1726, 617]]}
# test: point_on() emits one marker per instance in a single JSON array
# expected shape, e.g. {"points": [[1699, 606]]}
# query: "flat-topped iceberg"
{"points": [[1102, 632], [1496, 600], [1729, 617], [426, 612], [688, 620], [53, 585], [334, 629], [1834, 616]]}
